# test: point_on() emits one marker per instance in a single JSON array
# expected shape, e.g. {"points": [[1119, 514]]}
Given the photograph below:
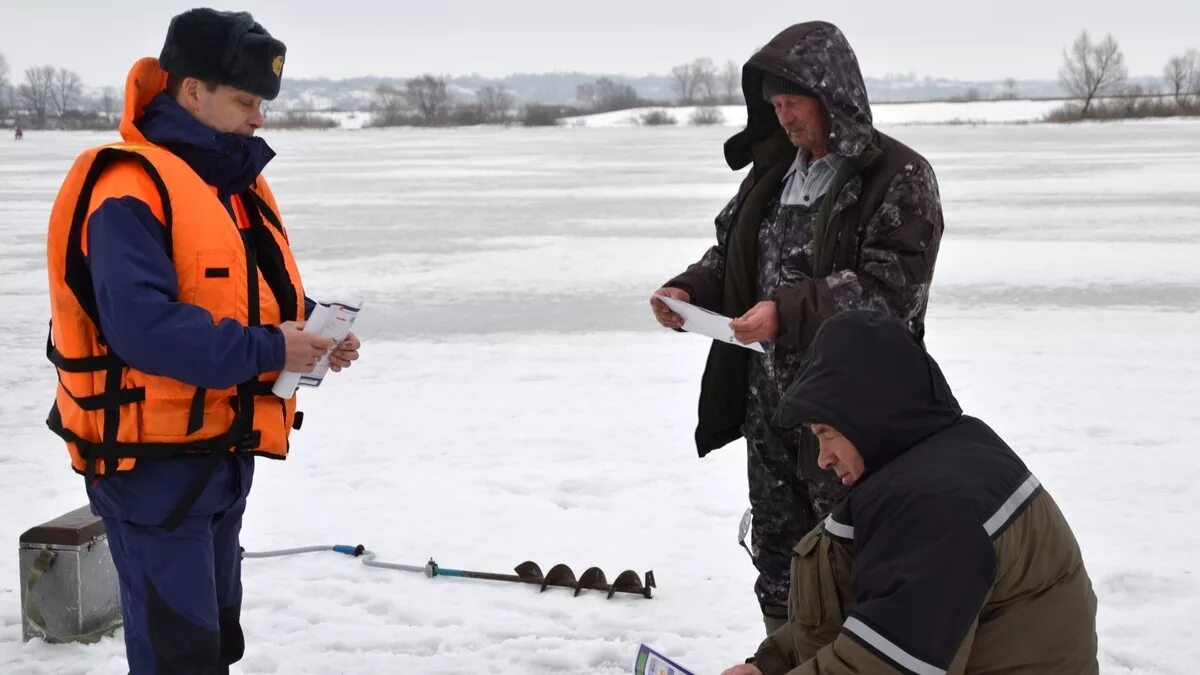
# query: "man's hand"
{"points": [[302, 350], [743, 669], [759, 324], [662, 313], [345, 354]]}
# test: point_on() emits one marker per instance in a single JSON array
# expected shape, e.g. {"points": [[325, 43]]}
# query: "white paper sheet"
{"points": [[331, 320], [703, 322]]}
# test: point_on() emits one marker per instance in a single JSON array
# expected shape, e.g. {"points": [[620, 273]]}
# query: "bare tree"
{"points": [[428, 95], [66, 86], [704, 80], [494, 103], [1194, 57], [731, 81], [3, 86], [37, 90], [1131, 95], [606, 94], [682, 82], [586, 93], [969, 94], [390, 104], [1092, 70], [1182, 74], [1010, 88], [108, 102], [1178, 74], [613, 95]]}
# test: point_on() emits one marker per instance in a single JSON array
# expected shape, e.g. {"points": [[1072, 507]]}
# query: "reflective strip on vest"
{"points": [[1011, 505], [838, 529], [889, 649]]}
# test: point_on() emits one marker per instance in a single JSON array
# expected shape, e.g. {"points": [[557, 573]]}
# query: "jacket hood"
{"points": [[868, 377], [145, 81], [817, 57]]}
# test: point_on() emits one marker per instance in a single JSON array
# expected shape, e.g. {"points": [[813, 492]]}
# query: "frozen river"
{"points": [[516, 401]]}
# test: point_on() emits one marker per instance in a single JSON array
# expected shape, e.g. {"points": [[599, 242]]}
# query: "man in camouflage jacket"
{"points": [[832, 216]]}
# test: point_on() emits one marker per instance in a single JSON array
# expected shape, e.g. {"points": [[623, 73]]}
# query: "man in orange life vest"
{"points": [[175, 301]]}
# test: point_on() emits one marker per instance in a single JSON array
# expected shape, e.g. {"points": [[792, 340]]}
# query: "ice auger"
{"points": [[528, 572]]}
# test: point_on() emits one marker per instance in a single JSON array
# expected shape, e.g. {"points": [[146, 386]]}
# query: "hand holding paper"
{"points": [[662, 313], [703, 322], [345, 353], [759, 324], [332, 321], [302, 350]]}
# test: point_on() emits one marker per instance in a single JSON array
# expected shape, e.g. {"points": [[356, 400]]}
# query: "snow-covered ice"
{"points": [[516, 401]]}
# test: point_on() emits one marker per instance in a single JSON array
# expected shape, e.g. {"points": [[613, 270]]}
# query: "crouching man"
{"points": [[947, 555]]}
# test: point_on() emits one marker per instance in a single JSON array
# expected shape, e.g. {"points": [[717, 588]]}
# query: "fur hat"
{"points": [[773, 84], [224, 48]]}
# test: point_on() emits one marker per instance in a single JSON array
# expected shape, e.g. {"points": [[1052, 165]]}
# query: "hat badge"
{"points": [[277, 66]]}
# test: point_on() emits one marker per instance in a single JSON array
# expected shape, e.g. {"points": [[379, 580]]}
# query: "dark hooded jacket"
{"points": [[876, 237], [947, 556]]}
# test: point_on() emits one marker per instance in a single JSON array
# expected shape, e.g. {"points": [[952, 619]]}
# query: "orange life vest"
{"points": [[111, 414]]}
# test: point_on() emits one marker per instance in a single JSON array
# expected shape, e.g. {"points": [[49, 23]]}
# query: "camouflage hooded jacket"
{"points": [[876, 237]]}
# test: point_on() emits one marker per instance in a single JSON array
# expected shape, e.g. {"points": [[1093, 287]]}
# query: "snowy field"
{"points": [[515, 399]]}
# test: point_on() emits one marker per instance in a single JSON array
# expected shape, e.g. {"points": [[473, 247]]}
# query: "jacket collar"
{"points": [[228, 162]]}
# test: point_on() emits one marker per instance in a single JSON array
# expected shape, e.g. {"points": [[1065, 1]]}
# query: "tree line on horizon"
{"points": [[1093, 74], [426, 100]]}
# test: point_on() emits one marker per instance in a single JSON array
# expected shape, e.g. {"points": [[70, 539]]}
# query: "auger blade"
{"points": [[529, 571], [559, 575], [592, 577], [629, 582]]}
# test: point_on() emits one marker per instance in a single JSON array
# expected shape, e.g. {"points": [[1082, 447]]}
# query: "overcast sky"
{"points": [[959, 39]]}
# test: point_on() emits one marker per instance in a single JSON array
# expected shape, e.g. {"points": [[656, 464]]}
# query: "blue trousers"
{"points": [[181, 589]]}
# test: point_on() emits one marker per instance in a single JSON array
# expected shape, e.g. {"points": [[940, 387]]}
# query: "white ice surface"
{"points": [[494, 419]]}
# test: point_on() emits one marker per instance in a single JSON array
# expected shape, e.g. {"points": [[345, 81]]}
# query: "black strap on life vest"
{"points": [[273, 267], [240, 437], [78, 276], [265, 209], [268, 255], [86, 364], [196, 411], [236, 437]]}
